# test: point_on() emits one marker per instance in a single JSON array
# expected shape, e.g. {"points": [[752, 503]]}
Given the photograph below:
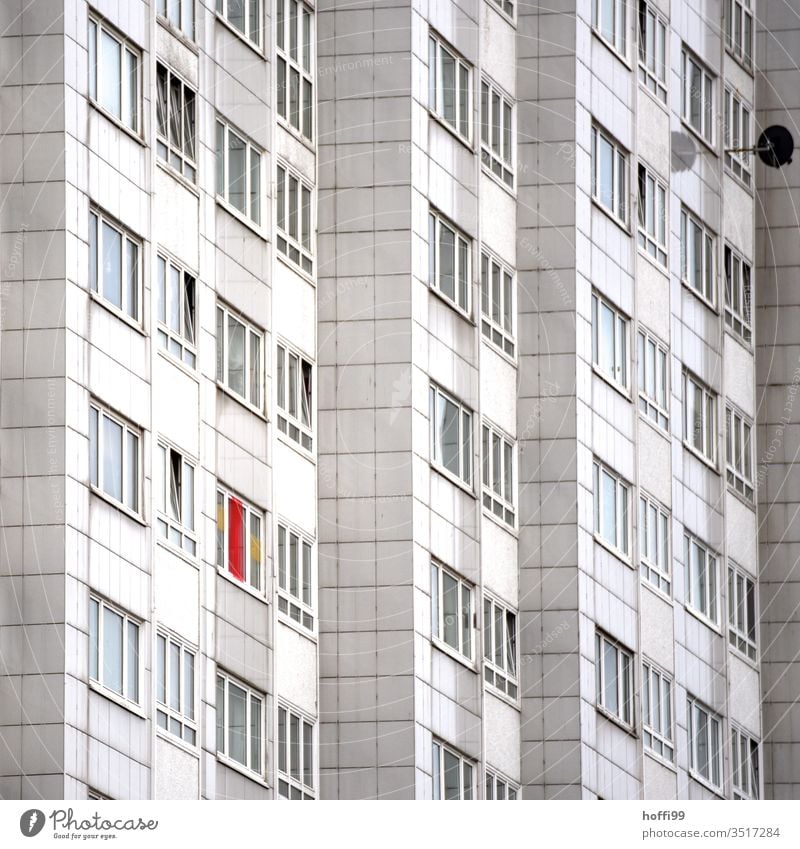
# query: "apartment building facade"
{"points": [[377, 400]]}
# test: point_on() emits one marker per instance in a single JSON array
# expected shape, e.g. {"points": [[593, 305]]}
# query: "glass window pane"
{"points": [[237, 181], [112, 650], [112, 458], [452, 788], [110, 74], [174, 676], [188, 684], [237, 723], [236, 356], [449, 434], [450, 609], [94, 645], [112, 265], [255, 733]]}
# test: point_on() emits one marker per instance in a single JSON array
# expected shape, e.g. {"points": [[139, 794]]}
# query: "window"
{"points": [[295, 579], [499, 788], [497, 455], [609, 174], [451, 610], [452, 774], [653, 377], [742, 624], [609, 341], [608, 21], [449, 87], [652, 51], [697, 96], [295, 755], [699, 417], [705, 742], [737, 294], [613, 678], [700, 567], [295, 78], [500, 647], [497, 303], [175, 677], [175, 119], [174, 494], [697, 256], [451, 435], [293, 217], [114, 74], [657, 712], [240, 723], [654, 543], [506, 5], [175, 309], [180, 14], [737, 137], [114, 271], [238, 356], [652, 215], [449, 261], [293, 376], [739, 30], [113, 649], [497, 132], [114, 457], [744, 763], [245, 17], [240, 539], [739, 452], [610, 508], [238, 172]]}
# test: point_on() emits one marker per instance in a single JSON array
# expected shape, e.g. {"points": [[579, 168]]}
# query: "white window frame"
{"points": [[653, 378], [130, 466], [498, 296], [297, 424], [505, 6], [652, 214], [701, 579], [253, 545], [614, 33], [702, 722], [653, 50], [745, 765], [738, 135], [501, 671], [704, 286], [437, 397], [461, 121], [498, 788], [654, 547], [254, 160], [253, 30], [699, 427], [130, 266], [657, 712], [618, 374], [703, 124], [623, 663], [742, 612], [176, 713], [738, 291], [739, 30], [180, 341], [463, 618], [620, 508], [498, 125], [295, 61], [179, 154], [223, 684], [617, 206], [131, 691], [295, 606], [442, 761], [462, 261], [253, 364], [185, 9], [739, 439], [179, 530], [130, 64], [498, 473], [293, 783], [295, 236]]}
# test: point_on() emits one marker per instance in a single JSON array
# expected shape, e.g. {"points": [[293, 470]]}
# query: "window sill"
{"points": [[251, 591], [620, 723], [256, 48], [660, 759], [117, 123], [609, 46], [295, 446], [176, 175], [449, 128], [751, 505], [748, 346], [612, 549], [241, 217], [309, 278], [501, 523], [118, 700], [466, 315], [747, 187], [243, 770], [284, 124], [177, 741], [709, 146], [440, 645], [664, 104], [499, 694], [657, 591], [710, 464], [701, 617], [509, 190], [661, 431], [617, 387], [229, 393], [179, 34], [134, 325], [747, 68], [287, 620], [699, 295], [621, 223], [453, 479], [117, 505], [664, 269], [753, 663], [163, 352], [695, 776], [173, 549], [512, 361], [509, 19]]}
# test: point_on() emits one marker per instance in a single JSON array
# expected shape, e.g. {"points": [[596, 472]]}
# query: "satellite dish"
{"points": [[775, 146]]}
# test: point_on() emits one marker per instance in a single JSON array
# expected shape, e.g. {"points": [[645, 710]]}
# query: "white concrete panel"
{"points": [[498, 217], [657, 629], [660, 782], [498, 48], [739, 375], [176, 218], [502, 737], [499, 563], [177, 591], [652, 298], [741, 533], [177, 55], [293, 308], [654, 464], [175, 406], [499, 391], [296, 669], [177, 772], [298, 482], [737, 216], [652, 133], [744, 703]]}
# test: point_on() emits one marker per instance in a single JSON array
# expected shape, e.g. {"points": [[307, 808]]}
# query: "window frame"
{"points": [[293, 607], [306, 42], [742, 612], [465, 631], [492, 498], [620, 343], [223, 497], [497, 133], [128, 467], [708, 260], [467, 769], [493, 612], [619, 32], [745, 757], [167, 526], [715, 764], [166, 151], [250, 695], [650, 407], [253, 200], [658, 741], [465, 476], [738, 274], [654, 79], [180, 344], [283, 755], [741, 49], [97, 652], [656, 574], [289, 424], [297, 250], [738, 121], [496, 291], [707, 106], [653, 200], [224, 315], [511, 790], [96, 28], [707, 450], [739, 454], [185, 715], [506, 7], [221, 9], [706, 608], [163, 14], [625, 712], [436, 46], [462, 248], [622, 491], [620, 162], [131, 249]]}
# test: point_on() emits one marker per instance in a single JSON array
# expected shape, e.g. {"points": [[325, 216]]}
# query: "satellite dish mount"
{"points": [[775, 147]]}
